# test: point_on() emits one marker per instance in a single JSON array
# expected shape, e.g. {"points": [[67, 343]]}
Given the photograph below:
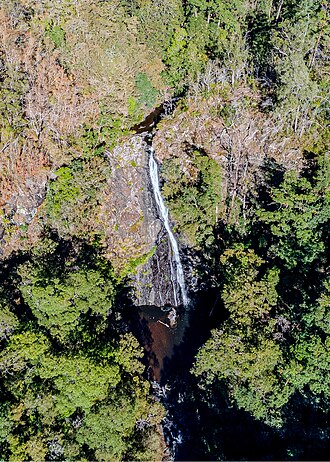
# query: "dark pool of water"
{"points": [[210, 426], [159, 338], [149, 123]]}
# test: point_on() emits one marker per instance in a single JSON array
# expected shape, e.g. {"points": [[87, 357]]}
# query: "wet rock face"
{"points": [[132, 227], [152, 284], [127, 215]]}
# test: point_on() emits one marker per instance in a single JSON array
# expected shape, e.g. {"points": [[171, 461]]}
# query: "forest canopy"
{"points": [[242, 142]]}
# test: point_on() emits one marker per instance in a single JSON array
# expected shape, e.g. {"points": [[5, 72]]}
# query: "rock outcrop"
{"points": [[135, 240], [127, 215]]}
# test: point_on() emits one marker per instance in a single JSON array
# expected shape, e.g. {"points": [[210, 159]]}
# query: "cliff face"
{"points": [[227, 127], [134, 238], [127, 216]]}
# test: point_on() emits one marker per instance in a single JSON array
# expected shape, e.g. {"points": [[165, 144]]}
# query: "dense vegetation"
{"points": [[71, 371], [246, 171]]}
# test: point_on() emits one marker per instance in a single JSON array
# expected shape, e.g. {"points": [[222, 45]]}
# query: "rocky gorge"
{"points": [[164, 230]]}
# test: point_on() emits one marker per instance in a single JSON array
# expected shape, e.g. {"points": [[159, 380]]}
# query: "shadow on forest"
{"points": [[212, 428]]}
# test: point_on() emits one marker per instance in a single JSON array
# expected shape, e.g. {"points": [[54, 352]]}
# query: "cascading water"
{"points": [[178, 275]]}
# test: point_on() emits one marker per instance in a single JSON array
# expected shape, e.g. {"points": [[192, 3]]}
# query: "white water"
{"points": [[179, 276]]}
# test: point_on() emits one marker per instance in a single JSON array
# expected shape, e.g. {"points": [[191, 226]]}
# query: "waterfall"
{"points": [[178, 275]]}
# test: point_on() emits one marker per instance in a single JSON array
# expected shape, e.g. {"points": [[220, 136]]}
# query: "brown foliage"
{"points": [[49, 114], [231, 129]]}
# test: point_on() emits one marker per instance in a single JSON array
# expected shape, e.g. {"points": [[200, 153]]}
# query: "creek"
{"points": [[164, 327], [202, 423], [161, 329], [170, 350]]}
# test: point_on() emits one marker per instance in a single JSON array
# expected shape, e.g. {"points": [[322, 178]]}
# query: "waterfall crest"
{"points": [[177, 275]]}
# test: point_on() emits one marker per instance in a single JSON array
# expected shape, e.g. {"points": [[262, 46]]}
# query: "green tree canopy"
{"points": [[244, 353], [60, 302], [297, 216]]}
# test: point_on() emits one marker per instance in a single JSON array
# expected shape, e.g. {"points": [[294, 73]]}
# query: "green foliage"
{"points": [[111, 129], [6, 425], [134, 263], [107, 429], [321, 312], [176, 58], [149, 446], [56, 34], [227, 113], [135, 114], [78, 382], [8, 322], [250, 368], [309, 355], [248, 297], [309, 367], [243, 353], [157, 24], [60, 303], [73, 397], [274, 343], [86, 381], [148, 94], [194, 200], [261, 39], [72, 199], [128, 354], [83, 395], [13, 87], [24, 351], [65, 191], [297, 215]]}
